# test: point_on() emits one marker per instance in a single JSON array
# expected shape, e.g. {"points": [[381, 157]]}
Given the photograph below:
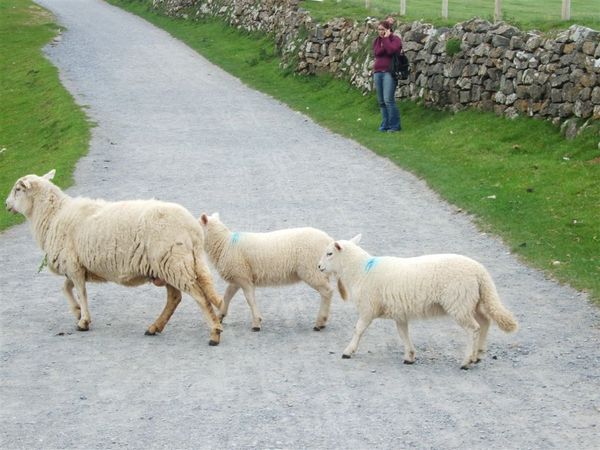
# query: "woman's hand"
{"points": [[387, 33]]}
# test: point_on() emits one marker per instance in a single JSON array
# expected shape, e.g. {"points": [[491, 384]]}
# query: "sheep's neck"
{"points": [[217, 245], [44, 213], [353, 267]]}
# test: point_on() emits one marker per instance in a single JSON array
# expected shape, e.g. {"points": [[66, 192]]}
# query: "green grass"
{"points": [[519, 178], [543, 15], [41, 127]]}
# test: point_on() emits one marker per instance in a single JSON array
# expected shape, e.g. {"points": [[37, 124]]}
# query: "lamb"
{"points": [[249, 260], [402, 289], [127, 242]]}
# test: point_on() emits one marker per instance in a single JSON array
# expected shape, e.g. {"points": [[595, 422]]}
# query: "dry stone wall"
{"points": [[281, 18], [497, 67]]}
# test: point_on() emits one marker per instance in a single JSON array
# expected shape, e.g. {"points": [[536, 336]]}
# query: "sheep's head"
{"points": [[330, 261], [208, 221], [212, 226], [20, 199]]}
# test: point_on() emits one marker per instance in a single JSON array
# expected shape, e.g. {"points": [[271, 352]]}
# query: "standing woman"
{"points": [[385, 45]]}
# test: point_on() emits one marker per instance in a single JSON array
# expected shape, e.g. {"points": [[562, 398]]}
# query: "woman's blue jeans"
{"points": [[385, 86]]}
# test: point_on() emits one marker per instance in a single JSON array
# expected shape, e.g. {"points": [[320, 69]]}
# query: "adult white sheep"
{"points": [[127, 242], [402, 289], [247, 260]]}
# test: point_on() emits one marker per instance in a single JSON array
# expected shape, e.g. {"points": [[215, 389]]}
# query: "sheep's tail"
{"points": [[493, 307], [342, 289]]}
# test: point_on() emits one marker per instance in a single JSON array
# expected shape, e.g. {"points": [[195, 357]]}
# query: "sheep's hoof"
{"points": [[255, 328], [465, 367], [150, 333], [477, 361], [316, 328], [344, 356], [83, 325], [407, 361], [213, 343]]}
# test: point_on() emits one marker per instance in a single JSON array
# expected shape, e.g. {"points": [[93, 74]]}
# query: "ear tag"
{"points": [[235, 237]]}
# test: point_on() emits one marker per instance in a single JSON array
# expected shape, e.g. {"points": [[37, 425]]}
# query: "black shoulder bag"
{"points": [[400, 67]]}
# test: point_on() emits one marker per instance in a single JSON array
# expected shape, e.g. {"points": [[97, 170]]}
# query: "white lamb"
{"points": [[247, 260], [402, 289], [128, 242]]}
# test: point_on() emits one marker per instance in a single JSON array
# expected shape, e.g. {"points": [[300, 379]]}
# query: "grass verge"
{"points": [[41, 127]]}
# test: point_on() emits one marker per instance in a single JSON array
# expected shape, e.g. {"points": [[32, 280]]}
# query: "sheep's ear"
{"points": [[204, 219], [356, 239], [337, 246], [216, 216], [50, 175], [25, 183]]}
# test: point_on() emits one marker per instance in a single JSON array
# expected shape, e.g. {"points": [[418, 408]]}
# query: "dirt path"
{"points": [[172, 126]]}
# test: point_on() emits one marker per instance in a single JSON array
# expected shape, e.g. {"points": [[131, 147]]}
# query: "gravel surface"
{"points": [[175, 127]]}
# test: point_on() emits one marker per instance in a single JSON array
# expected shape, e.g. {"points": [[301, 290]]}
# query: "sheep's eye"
{"points": [[329, 253], [17, 189]]}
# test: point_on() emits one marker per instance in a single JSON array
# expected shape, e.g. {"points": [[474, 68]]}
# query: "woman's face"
{"points": [[381, 30]]}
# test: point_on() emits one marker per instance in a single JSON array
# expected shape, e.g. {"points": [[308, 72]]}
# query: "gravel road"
{"points": [[173, 126]]}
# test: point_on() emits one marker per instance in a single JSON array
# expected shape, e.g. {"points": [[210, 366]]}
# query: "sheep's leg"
{"points": [[361, 325], [484, 326], [84, 322], [205, 283], [229, 293], [249, 294], [173, 299], [201, 289], [319, 283], [209, 315], [216, 328], [73, 305], [409, 349], [323, 288], [326, 294], [470, 325]]}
